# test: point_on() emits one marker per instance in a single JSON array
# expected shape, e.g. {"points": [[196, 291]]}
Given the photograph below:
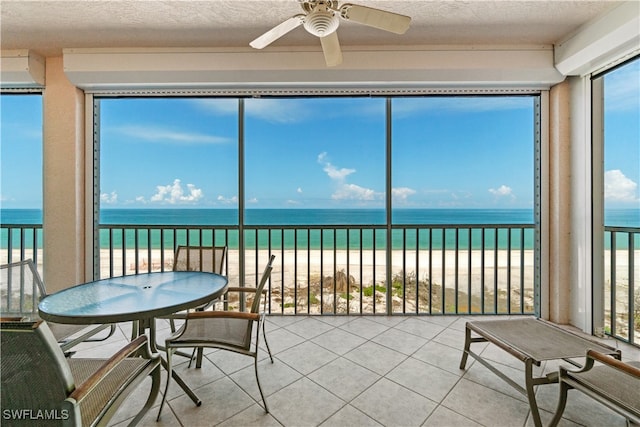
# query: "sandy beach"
{"points": [[330, 280], [298, 275]]}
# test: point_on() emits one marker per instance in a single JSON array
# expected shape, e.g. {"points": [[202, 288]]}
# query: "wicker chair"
{"points": [[226, 330], [612, 382], [22, 289], [42, 387]]}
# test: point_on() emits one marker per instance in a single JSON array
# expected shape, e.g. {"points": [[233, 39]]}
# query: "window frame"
{"points": [[540, 179]]}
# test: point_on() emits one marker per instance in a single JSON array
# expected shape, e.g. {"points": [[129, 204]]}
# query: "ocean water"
{"points": [[314, 216], [374, 234], [289, 216], [316, 238]]}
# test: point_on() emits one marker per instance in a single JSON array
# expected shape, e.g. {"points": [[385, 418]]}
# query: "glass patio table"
{"points": [[140, 298]]}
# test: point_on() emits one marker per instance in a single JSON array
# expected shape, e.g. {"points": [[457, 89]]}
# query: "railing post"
{"points": [[388, 207]]}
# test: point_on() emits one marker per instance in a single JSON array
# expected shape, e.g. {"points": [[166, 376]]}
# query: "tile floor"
{"points": [[357, 371]]}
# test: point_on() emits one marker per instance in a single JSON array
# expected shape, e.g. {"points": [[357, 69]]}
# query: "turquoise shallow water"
{"points": [[373, 220]]}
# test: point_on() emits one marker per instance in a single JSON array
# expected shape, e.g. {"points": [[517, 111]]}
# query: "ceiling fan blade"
{"points": [[278, 31], [331, 49], [377, 18]]}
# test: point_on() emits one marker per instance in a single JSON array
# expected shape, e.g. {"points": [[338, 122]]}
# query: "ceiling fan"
{"points": [[322, 17]]}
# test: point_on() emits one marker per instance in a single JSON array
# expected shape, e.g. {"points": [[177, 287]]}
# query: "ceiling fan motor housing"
{"points": [[321, 21]]}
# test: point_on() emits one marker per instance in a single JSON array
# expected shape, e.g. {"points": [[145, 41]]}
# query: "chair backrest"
{"points": [[21, 289], [34, 373], [210, 259], [255, 306]]}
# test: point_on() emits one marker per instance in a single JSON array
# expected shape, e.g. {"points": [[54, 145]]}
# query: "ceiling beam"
{"points": [[101, 69], [602, 42], [21, 68]]}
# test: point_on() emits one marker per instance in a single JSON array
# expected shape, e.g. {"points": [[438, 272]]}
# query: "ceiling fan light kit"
{"points": [[322, 18], [321, 22]]}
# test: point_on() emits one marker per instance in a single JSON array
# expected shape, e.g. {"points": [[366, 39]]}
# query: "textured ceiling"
{"points": [[48, 26]]}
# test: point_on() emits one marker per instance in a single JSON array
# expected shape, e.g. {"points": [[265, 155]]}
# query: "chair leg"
{"points": [[166, 387], [153, 394], [196, 354], [112, 330], [134, 329], [264, 401], [264, 335]]}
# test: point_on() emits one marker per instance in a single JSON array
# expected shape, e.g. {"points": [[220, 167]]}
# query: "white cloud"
{"points": [[355, 192], [175, 194], [502, 191], [333, 172], [231, 200], [109, 198], [346, 191], [253, 200], [337, 174], [155, 134], [619, 188], [299, 190], [402, 193]]}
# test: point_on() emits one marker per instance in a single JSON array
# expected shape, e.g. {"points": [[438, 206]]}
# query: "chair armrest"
{"points": [[223, 314], [242, 289], [615, 363], [139, 345]]}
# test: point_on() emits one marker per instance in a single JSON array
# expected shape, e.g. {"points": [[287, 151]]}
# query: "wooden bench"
{"points": [[613, 383]]}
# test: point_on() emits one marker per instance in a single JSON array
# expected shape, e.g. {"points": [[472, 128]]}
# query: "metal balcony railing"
{"points": [[432, 269], [622, 283], [425, 269], [19, 242]]}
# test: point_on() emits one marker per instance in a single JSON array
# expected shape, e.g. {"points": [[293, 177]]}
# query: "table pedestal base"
{"points": [[139, 328]]}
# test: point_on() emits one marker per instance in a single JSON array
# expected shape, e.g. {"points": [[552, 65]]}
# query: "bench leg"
{"points": [[531, 394], [467, 345], [562, 402]]}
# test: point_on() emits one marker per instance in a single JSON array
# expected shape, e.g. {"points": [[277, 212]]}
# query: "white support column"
{"points": [[581, 244], [574, 297]]}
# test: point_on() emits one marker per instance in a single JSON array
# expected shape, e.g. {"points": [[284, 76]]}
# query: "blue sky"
{"points": [[622, 136], [321, 152], [447, 152]]}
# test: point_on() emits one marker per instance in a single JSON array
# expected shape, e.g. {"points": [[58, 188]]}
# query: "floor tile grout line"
{"points": [[451, 328]]}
